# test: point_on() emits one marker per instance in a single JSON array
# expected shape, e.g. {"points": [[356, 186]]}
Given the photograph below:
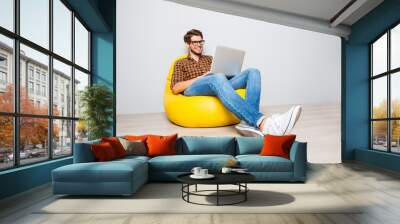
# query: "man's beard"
{"points": [[198, 54]]}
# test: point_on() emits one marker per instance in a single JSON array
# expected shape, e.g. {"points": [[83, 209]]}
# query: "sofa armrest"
{"points": [[83, 152], [298, 155]]}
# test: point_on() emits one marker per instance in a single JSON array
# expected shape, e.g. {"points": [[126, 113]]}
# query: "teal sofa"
{"points": [[125, 176]]}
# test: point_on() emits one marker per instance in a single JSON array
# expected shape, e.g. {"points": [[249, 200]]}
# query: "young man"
{"points": [[190, 78]]}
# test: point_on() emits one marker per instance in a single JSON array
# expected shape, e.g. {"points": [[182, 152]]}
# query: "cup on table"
{"points": [[203, 172], [226, 170], [196, 171]]}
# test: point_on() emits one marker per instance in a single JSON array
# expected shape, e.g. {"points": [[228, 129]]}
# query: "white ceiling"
{"points": [[315, 15], [319, 9]]}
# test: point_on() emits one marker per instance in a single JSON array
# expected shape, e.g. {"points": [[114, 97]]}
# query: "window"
{"points": [[6, 73], [37, 75], [81, 45], [44, 91], [3, 78], [62, 29], [61, 74], [385, 91], [3, 72], [6, 142], [37, 89], [30, 72], [3, 61], [7, 14], [30, 87], [47, 74], [34, 21]]}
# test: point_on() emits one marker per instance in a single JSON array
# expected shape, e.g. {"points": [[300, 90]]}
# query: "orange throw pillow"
{"points": [[277, 145], [136, 137], [161, 145], [103, 152], [116, 145]]}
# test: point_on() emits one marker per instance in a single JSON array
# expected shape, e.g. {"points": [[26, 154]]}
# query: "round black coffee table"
{"points": [[238, 179]]}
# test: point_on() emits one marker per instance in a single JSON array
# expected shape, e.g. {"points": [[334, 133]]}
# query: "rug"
{"points": [[166, 198]]}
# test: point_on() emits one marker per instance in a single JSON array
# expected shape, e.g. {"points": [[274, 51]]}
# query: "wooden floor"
{"points": [[377, 188]]}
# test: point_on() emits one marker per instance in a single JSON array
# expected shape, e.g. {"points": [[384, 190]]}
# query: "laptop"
{"points": [[227, 61]]}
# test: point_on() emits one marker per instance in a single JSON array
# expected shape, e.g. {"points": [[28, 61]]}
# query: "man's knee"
{"points": [[253, 71], [254, 74], [218, 77]]}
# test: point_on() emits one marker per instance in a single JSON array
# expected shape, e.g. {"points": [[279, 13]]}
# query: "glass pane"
{"points": [[6, 142], [62, 138], [379, 55], [7, 14], [379, 97], [395, 94], [81, 45], [379, 135], [395, 136], [33, 139], [6, 74], [35, 21], [81, 131], [81, 81], [395, 47], [62, 29], [34, 97], [62, 89]]}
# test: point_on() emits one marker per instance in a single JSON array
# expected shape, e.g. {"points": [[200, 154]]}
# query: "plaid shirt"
{"points": [[187, 68]]}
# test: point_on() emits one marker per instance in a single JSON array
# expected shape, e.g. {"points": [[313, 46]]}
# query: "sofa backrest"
{"points": [[192, 145], [83, 152], [249, 145]]}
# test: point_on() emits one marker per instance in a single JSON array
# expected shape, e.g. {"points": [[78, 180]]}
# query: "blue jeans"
{"points": [[217, 84]]}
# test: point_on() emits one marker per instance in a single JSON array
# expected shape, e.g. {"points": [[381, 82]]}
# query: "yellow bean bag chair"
{"points": [[196, 111]]}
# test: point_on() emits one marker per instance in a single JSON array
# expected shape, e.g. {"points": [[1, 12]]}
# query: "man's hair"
{"points": [[190, 33]]}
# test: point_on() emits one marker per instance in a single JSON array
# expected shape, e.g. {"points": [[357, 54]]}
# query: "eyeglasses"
{"points": [[200, 42]]}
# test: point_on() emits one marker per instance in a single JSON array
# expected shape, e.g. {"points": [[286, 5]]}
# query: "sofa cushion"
{"points": [[103, 152], [277, 145], [257, 163], [135, 147], [198, 145], [159, 145], [116, 145], [249, 145], [111, 171], [185, 163]]}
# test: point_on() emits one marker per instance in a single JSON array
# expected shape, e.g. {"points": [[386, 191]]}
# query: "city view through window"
{"points": [[385, 91], [39, 114]]}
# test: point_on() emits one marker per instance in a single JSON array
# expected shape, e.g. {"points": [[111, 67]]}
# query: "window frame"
{"points": [[16, 114], [388, 74]]}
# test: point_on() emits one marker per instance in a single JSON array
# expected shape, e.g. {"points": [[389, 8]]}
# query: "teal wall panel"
{"points": [[24, 178], [356, 83]]}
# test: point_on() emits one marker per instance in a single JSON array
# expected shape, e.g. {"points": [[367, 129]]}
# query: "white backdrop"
{"points": [[297, 66]]}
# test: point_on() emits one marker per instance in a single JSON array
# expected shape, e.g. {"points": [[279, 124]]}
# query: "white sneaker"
{"points": [[246, 130], [282, 124]]}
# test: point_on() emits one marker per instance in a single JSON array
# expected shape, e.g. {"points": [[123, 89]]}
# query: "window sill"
{"points": [[30, 166]]}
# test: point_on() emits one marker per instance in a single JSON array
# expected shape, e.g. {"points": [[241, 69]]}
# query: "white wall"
{"points": [[297, 66]]}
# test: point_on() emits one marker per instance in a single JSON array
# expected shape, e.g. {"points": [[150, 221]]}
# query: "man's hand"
{"points": [[181, 86]]}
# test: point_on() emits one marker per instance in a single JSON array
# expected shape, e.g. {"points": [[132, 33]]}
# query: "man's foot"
{"points": [[246, 130], [282, 124]]}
